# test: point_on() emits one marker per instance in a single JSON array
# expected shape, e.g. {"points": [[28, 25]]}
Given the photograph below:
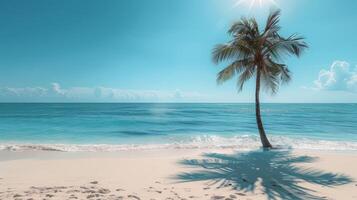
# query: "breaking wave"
{"points": [[197, 142]]}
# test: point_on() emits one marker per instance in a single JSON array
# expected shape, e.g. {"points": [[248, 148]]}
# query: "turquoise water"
{"points": [[67, 126]]}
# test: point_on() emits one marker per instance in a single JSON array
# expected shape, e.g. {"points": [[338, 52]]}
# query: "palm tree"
{"points": [[259, 53]]}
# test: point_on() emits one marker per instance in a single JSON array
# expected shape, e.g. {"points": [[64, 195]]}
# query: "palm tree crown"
{"points": [[252, 49]]}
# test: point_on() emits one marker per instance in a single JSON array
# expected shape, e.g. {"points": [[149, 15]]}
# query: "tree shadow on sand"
{"points": [[275, 170]]}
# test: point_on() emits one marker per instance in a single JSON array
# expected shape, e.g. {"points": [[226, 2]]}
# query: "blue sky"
{"points": [[160, 50]]}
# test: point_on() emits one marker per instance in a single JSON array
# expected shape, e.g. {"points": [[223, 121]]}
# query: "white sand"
{"points": [[154, 175]]}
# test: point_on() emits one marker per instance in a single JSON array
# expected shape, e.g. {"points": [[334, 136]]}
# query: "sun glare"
{"points": [[254, 3]]}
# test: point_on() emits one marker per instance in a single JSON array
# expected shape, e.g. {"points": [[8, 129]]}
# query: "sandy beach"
{"points": [[179, 174]]}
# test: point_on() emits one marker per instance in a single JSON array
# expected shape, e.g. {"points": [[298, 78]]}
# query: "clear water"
{"points": [[69, 126]]}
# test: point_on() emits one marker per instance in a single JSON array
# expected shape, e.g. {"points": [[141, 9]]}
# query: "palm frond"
{"points": [[279, 70], [278, 46], [244, 28], [272, 24], [271, 81], [295, 44], [224, 52], [232, 69], [285, 74], [237, 49], [241, 27], [244, 76], [254, 26]]}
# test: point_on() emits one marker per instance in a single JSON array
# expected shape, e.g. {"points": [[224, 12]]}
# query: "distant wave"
{"points": [[196, 142]]}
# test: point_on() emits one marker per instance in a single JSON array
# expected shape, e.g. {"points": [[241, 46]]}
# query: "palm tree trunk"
{"points": [[263, 137]]}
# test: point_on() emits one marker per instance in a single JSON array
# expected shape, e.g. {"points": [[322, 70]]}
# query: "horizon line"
{"points": [[177, 103]]}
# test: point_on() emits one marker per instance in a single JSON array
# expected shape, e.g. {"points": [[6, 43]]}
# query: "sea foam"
{"points": [[244, 142]]}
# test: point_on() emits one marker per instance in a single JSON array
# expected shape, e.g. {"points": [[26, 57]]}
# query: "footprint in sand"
{"points": [[104, 191], [50, 195], [134, 197], [216, 197], [73, 191], [73, 196], [240, 194], [17, 195], [91, 196], [87, 191]]}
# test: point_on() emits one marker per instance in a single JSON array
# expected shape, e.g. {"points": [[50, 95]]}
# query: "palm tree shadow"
{"points": [[275, 170]]}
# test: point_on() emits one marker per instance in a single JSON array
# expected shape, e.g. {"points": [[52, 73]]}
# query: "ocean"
{"points": [[128, 126]]}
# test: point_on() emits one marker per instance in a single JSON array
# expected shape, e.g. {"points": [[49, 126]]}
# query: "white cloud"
{"points": [[57, 93], [339, 77], [57, 89], [25, 91]]}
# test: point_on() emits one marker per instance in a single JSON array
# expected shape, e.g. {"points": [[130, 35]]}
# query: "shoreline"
{"points": [[158, 174], [203, 142]]}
